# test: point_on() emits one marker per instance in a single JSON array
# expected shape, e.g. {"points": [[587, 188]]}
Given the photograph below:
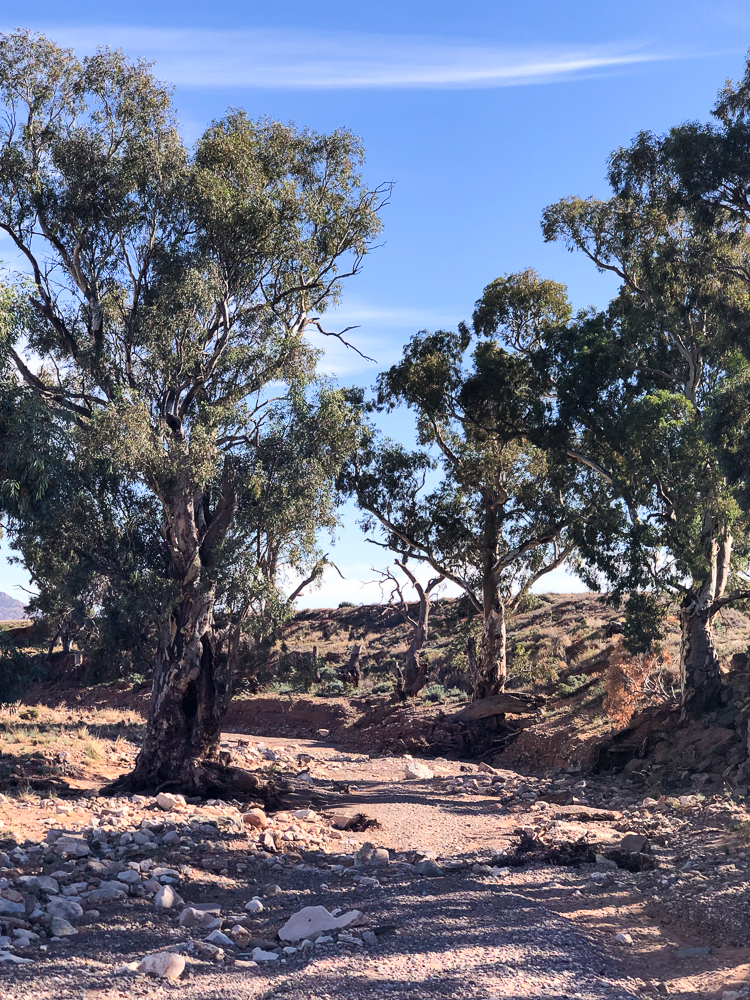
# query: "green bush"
{"points": [[18, 670], [433, 692], [332, 689], [385, 687]]}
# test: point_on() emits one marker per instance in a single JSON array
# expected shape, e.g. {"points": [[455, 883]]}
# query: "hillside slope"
{"points": [[10, 608]]}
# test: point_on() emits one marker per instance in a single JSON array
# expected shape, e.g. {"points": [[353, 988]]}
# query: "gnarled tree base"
{"points": [[206, 779]]}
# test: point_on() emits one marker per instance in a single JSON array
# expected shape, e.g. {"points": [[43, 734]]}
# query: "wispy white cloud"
{"points": [[276, 59]]}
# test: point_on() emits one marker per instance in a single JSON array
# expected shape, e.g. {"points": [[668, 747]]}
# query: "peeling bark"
{"points": [[700, 677], [699, 665], [491, 673], [191, 686]]}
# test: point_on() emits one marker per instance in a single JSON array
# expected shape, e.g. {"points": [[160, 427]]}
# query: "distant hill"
{"points": [[10, 608]]}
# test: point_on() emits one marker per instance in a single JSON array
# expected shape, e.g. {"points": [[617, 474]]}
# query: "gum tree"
{"points": [[493, 499], [171, 291], [642, 383]]}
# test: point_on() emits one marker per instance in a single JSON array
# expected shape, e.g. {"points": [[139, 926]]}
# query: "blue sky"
{"points": [[482, 112]]}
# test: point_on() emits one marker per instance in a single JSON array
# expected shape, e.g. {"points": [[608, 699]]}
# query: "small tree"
{"points": [[413, 677], [168, 289], [507, 497]]}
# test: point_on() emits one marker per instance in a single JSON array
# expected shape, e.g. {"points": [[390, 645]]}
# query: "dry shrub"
{"points": [[634, 681]]}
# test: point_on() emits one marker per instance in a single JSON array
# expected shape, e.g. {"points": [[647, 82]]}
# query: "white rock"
{"points": [[304, 814], [259, 955], [167, 802], [166, 898], [163, 964], [311, 921], [415, 770], [623, 938], [5, 956], [254, 906], [217, 937]]}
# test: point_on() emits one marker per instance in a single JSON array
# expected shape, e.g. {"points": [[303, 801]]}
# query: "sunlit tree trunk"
{"points": [[700, 678]]}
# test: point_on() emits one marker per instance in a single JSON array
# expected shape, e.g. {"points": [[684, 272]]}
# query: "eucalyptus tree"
{"points": [[170, 290], [642, 383], [492, 500]]}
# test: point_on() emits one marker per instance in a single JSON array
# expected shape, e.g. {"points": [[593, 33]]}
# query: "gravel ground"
{"points": [[460, 932]]}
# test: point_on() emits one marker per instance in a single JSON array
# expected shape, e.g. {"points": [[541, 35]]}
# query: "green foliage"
{"points": [[434, 693], [645, 615], [18, 670], [166, 435], [384, 687], [654, 385], [492, 499]]}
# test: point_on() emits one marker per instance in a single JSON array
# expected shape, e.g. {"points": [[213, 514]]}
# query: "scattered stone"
{"points": [[312, 921], [255, 817], [369, 854], [164, 964], [305, 814], [428, 867], [415, 770], [44, 882], [129, 877], [120, 970], [105, 894], [217, 937], [60, 927], [636, 843], [623, 938], [192, 917], [273, 890], [370, 937], [166, 898], [254, 906], [168, 802], [259, 955], [6, 956], [68, 909], [486, 768], [8, 908], [72, 846]]}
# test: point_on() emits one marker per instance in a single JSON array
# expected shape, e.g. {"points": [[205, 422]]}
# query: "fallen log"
{"points": [[498, 704]]}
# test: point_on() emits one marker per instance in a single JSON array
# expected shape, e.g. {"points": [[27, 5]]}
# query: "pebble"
{"points": [[623, 938], [254, 906]]}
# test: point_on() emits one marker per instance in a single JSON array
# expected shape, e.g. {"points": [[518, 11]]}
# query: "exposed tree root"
{"points": [[206, 779]]}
